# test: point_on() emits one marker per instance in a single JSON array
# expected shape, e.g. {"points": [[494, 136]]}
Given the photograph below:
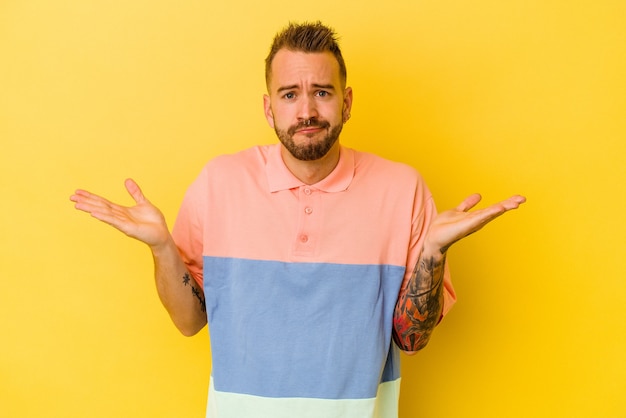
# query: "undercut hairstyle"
{"points": [[306, 37]]}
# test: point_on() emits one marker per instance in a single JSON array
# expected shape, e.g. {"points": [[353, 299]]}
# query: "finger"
{"points": [[89, 202], [85, 196], [81, 195], [469, 202], [134, 190], [513, 202], [490, 213]]}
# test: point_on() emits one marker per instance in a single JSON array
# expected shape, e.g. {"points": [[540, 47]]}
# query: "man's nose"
{"points": [[308, 108]]}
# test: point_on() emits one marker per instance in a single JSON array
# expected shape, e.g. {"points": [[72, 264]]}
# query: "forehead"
{"points": [[297, 68]]}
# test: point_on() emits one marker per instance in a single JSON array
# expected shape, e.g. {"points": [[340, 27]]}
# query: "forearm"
{"points": [[420, 303], [182, 297]]}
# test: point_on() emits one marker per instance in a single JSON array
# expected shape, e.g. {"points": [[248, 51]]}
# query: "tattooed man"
{"points": [[313, 264]]}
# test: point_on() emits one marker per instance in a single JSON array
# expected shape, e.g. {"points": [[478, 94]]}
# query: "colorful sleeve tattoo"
{"points": [[419, 305]]}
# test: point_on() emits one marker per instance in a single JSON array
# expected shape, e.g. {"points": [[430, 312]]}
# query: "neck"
{"points": [[311, 172]]}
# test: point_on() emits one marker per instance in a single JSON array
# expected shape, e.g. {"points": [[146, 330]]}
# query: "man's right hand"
{"points": [[182, 297], [144, 221]]}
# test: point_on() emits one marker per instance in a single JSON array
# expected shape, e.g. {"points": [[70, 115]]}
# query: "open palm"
{"points": [[144, 221], [455, 224]]}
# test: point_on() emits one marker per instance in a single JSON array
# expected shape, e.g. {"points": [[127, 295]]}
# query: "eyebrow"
{"points": [[295, 87]]}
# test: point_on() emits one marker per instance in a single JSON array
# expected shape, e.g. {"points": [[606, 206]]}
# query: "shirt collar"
{"points": [[280, 178]]}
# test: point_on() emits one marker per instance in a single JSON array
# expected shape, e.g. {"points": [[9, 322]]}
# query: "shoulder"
{"points": [[374, 167], [250, 158], [228, 169], [389, 178], [248, 161]]}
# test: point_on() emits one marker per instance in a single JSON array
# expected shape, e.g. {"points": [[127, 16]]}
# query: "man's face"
{"points": [[307, 104]]}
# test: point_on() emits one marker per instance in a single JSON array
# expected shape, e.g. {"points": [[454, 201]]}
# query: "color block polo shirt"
{"points": [[301, 281]]}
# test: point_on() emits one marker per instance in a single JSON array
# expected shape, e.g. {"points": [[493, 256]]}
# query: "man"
{"points": [[317, 262]]}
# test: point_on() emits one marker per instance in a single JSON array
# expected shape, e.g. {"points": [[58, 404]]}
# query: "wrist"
{"points": [[163, 248], [434, 252]]}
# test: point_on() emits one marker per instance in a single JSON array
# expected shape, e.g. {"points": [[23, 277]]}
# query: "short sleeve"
{"points": [[188, 231]]}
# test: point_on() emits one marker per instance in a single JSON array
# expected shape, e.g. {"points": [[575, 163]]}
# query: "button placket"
{"points": [[306, 234]]}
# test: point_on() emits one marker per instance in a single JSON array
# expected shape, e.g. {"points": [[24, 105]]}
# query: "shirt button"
{"points": [[307, 191], [304, 239], [308, 210]]}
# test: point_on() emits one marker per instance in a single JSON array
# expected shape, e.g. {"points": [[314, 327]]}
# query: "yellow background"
{"points": [[499, 97]]}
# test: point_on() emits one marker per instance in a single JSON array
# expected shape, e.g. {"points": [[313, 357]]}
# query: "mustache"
{"points": [[310, 123]]}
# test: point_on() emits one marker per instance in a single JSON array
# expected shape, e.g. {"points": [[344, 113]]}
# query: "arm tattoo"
{"points": [[194, 290], [419, 305]]}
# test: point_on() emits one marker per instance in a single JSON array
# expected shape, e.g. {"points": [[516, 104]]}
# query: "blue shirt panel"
{"points": [[313, 330]]}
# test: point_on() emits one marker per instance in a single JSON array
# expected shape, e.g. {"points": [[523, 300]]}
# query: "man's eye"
{"points": [[290, 95], [322, 93]]}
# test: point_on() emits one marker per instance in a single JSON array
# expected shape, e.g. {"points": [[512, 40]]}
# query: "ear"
{"points": [[347, 104], [267, 107]]}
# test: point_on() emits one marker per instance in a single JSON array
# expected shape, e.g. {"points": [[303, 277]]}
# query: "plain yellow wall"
{"points": [[499, 97]]}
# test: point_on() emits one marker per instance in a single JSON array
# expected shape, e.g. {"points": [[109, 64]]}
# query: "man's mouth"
{"points": [[308, 128]]}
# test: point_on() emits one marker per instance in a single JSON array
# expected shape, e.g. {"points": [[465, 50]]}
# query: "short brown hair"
{"points": [[306, 37]]}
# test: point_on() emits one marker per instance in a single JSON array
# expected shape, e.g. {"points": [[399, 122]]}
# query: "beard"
{"points": [[313, 150]]}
